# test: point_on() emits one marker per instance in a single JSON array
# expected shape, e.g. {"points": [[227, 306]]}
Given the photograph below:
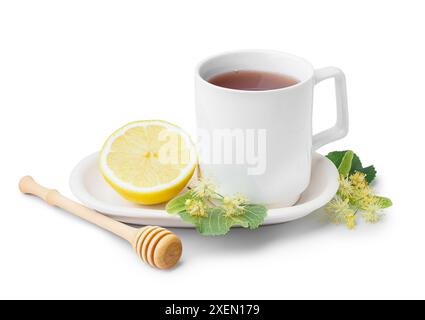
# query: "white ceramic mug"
{"points": [[280, 120]]}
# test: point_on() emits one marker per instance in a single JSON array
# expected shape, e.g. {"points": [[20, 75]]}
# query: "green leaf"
{"points": [[370, 173], [187, 217], [384, 202], [344, 167], [216, 224], [253, 217], [177, 205], [336, 157], [356, 165]]}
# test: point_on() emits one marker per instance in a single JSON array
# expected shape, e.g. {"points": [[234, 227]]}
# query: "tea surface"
{"points": [[252, 80]]}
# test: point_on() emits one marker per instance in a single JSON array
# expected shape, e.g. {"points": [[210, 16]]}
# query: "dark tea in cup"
{"points": [[252, 80]]}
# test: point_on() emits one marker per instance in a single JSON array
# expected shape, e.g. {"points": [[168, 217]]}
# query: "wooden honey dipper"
{"points": [[156, 246]]}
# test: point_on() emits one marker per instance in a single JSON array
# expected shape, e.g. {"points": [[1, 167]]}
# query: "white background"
{"points": [[71, 72]]}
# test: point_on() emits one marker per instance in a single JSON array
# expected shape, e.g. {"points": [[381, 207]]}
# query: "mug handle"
{"points": [[340, 129]]}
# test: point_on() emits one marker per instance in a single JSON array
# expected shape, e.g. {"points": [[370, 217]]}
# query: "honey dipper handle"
{"points": [[28, 185]]}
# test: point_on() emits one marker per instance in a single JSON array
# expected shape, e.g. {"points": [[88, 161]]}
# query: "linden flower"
{"points": [[372, 213], [363, 197], [196, 208], [204, 188], [351, 221], [355, 199], [345, 187], [234, 206], [358, 180], [339, 210]]}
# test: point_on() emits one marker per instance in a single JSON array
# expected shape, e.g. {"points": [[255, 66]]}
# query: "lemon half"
{"points": [[148, 162]]}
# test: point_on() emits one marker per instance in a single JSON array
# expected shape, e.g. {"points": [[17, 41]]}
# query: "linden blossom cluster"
{"points": [[354, 196], [214, 214], [205, 196]]}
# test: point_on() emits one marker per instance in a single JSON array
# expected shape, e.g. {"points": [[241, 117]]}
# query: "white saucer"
{"points": [[88, 185]]}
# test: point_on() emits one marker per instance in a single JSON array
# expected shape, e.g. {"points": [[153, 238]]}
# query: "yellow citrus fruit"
{"points": [[148, 162]]}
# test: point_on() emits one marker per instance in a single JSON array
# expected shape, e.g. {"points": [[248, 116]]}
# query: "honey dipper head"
{"points": [[158, 247]]}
